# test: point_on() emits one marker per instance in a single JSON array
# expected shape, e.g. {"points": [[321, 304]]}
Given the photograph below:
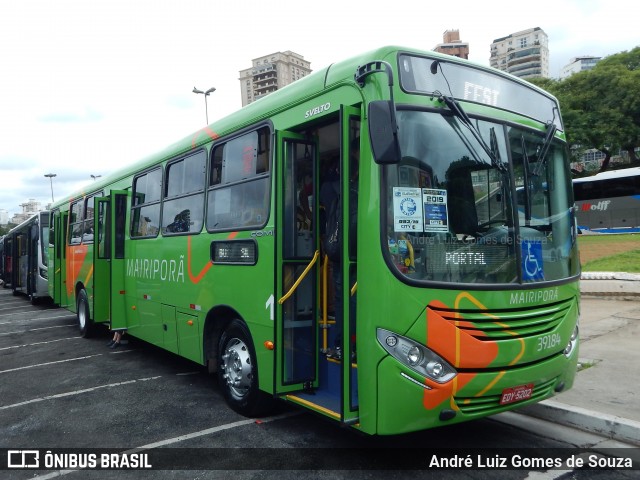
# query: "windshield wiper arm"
{"points": [[458, 111], [542, 157]]}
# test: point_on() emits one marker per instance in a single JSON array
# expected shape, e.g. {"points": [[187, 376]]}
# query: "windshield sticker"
{"points": [[407, 209], [435, 210], [532, 264]]}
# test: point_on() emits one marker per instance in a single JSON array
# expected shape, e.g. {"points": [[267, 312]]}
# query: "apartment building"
{"points": [[29, 209], [270, 73], [452, 45], [579, 64], [524, 54]]}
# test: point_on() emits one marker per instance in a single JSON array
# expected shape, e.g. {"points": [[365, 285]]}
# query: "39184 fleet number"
{"points": [[546, 342]]}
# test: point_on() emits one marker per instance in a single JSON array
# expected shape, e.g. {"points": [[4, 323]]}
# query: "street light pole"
{"points": [[206, 94], [95, 176], [50, 176]]}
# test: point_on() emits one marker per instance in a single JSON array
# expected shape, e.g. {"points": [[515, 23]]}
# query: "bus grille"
{"points": [[488, 404], [502, 324]]}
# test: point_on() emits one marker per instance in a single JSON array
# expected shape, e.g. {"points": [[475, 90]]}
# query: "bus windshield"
{"points": [[459, 212]]}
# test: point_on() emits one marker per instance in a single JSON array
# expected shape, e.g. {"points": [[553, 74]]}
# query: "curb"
{"points": [[609, 426], [610, 285], [609, 276], [612, 295]]}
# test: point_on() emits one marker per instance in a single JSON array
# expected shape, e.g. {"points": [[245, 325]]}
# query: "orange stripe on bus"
{"points": [[205, 269]]}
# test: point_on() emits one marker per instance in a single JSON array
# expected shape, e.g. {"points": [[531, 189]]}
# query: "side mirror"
{"points": [[383, 132]]}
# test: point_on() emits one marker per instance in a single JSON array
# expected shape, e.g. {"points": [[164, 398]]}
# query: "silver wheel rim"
{"points": [[236, 365]]}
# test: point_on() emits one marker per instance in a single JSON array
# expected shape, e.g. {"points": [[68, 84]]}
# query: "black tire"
{"points": [[85, 324], [33, 298], [238, 372]]}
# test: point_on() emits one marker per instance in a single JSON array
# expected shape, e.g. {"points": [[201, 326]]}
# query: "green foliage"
{"points": [[599, 248], [4, 229], [623, 262], [601, 107]]}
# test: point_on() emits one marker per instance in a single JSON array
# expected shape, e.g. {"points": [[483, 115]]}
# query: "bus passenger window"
{"points": [[76, 219], [87, 230], [183, 206], [238, 196], [145, 211]]}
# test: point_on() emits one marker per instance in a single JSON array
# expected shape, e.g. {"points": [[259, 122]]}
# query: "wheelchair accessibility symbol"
{"points": [[532, 264]]}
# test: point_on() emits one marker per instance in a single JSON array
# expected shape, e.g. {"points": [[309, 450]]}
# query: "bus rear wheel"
{"points": [[238, 372], [85, 324]]}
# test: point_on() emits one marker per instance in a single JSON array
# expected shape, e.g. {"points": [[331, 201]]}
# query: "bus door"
{"points": [[349, 175], [297, 265], [108, 262], [8, 261], [315, 321], [56, 270], [33, 262]]}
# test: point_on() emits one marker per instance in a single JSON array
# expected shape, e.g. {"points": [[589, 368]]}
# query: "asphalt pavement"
{"points": [[605, 398]]}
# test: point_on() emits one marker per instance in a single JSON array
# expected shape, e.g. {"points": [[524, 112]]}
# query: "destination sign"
{"points": [[472, 84]]}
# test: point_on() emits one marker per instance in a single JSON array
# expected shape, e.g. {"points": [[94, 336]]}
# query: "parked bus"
{"points": [[446, 301], [3, 280], [609, 202], [24, 257]]}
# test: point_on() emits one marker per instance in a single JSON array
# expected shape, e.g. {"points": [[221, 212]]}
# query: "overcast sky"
{"points": [[89, 86]]}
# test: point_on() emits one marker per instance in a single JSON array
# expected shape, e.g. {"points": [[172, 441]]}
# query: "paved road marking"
{"points": [[48, 363], [37, 318], [181, 438], [24, 310], [39, 343], [14, 308], [35, 329], [77, 392]]}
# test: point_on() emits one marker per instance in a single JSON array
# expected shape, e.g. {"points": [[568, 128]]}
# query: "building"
{"points": [[4, 216], [524, 54], [451, 45], [271, 72], [579, 64], [29, 209]]}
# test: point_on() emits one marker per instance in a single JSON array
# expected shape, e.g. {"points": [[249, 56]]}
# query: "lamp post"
{"points": [[95, 176], [50, 176], [206, 94]]}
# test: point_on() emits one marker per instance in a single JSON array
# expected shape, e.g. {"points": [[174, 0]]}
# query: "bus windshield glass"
{"points": [[475, 85], [454, 214]]}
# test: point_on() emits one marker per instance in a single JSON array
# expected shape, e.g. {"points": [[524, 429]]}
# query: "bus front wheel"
{"points": [[238, 371], [84, 319]]}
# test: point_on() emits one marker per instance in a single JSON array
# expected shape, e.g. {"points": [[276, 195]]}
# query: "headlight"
{"points": [[416, 356], [572, 342]]}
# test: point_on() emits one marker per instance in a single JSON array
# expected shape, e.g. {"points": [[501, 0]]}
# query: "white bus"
{"points": [[25, 255], [609, 202]]}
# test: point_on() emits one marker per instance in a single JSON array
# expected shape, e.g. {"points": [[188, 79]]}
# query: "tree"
{"points": [[4, 229], [601, 107]]}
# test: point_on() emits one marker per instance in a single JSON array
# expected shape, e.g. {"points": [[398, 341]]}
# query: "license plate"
{"points": [[516, 394]]}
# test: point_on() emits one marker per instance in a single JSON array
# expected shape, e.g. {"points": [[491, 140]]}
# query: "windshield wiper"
{"points": [[542, 156], [458, 111]]}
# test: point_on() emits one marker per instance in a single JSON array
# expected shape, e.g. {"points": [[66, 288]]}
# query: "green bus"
{"points": [[453, 291]]}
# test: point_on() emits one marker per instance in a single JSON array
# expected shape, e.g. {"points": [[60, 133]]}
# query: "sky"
{"points": [[89, 86]]}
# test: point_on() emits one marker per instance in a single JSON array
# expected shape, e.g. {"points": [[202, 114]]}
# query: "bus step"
{"points": [[324, 404]]}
